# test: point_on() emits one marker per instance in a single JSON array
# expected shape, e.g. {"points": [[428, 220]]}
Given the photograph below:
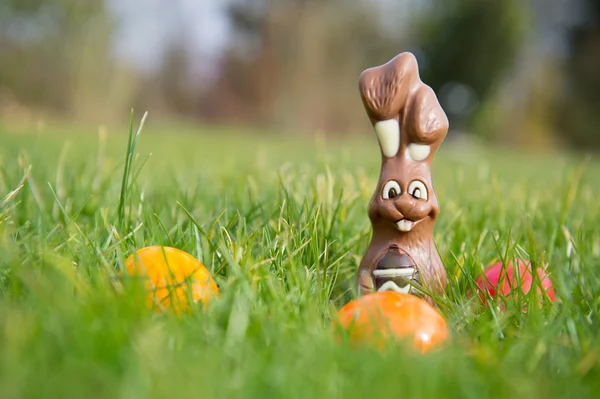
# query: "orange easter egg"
{"points": [[378, 317], [170, 274]]}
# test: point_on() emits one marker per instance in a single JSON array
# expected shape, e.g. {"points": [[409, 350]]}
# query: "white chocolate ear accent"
{"points": [[388, 135], [418, 152]]}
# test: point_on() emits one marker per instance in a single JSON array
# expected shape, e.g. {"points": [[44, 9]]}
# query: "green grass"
{"points": [[281, 223]]}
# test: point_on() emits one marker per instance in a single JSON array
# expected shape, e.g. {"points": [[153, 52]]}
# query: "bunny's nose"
{"points": [[405, 206]]}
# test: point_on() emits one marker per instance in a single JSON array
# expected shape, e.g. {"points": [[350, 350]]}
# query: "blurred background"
{"points": [[513, 72]]}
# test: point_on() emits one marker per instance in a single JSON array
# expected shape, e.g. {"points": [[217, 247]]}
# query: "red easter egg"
{"points": [[498, 280]]}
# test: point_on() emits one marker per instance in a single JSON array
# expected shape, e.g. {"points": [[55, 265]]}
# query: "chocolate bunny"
{"points": [[410, 126]]}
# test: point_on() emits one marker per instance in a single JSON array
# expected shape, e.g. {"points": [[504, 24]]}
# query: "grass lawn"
{"points": [[281, 223]]}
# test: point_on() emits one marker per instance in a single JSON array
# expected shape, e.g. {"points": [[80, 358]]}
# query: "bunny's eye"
{"points": [[391, 189], [417, 189]]}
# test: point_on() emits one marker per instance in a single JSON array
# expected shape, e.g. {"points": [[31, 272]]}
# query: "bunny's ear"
{"points": [[425, 124], [394, 96], [384, 91]]}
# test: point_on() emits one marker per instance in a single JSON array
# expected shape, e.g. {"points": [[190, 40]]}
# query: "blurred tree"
{"points": [[468, 47], [579, 116], [55, 53], [290, 63], [172, 90], [169, 91]]}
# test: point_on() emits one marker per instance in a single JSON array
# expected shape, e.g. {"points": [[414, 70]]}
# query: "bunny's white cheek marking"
{"points": [[388, 135], [418, 152]]}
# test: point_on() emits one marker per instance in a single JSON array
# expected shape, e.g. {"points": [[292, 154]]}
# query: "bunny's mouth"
{"points": [[406, 225]]}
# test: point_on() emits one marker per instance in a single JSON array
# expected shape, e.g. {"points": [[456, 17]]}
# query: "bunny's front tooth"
{"points": [[404, 225]]}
